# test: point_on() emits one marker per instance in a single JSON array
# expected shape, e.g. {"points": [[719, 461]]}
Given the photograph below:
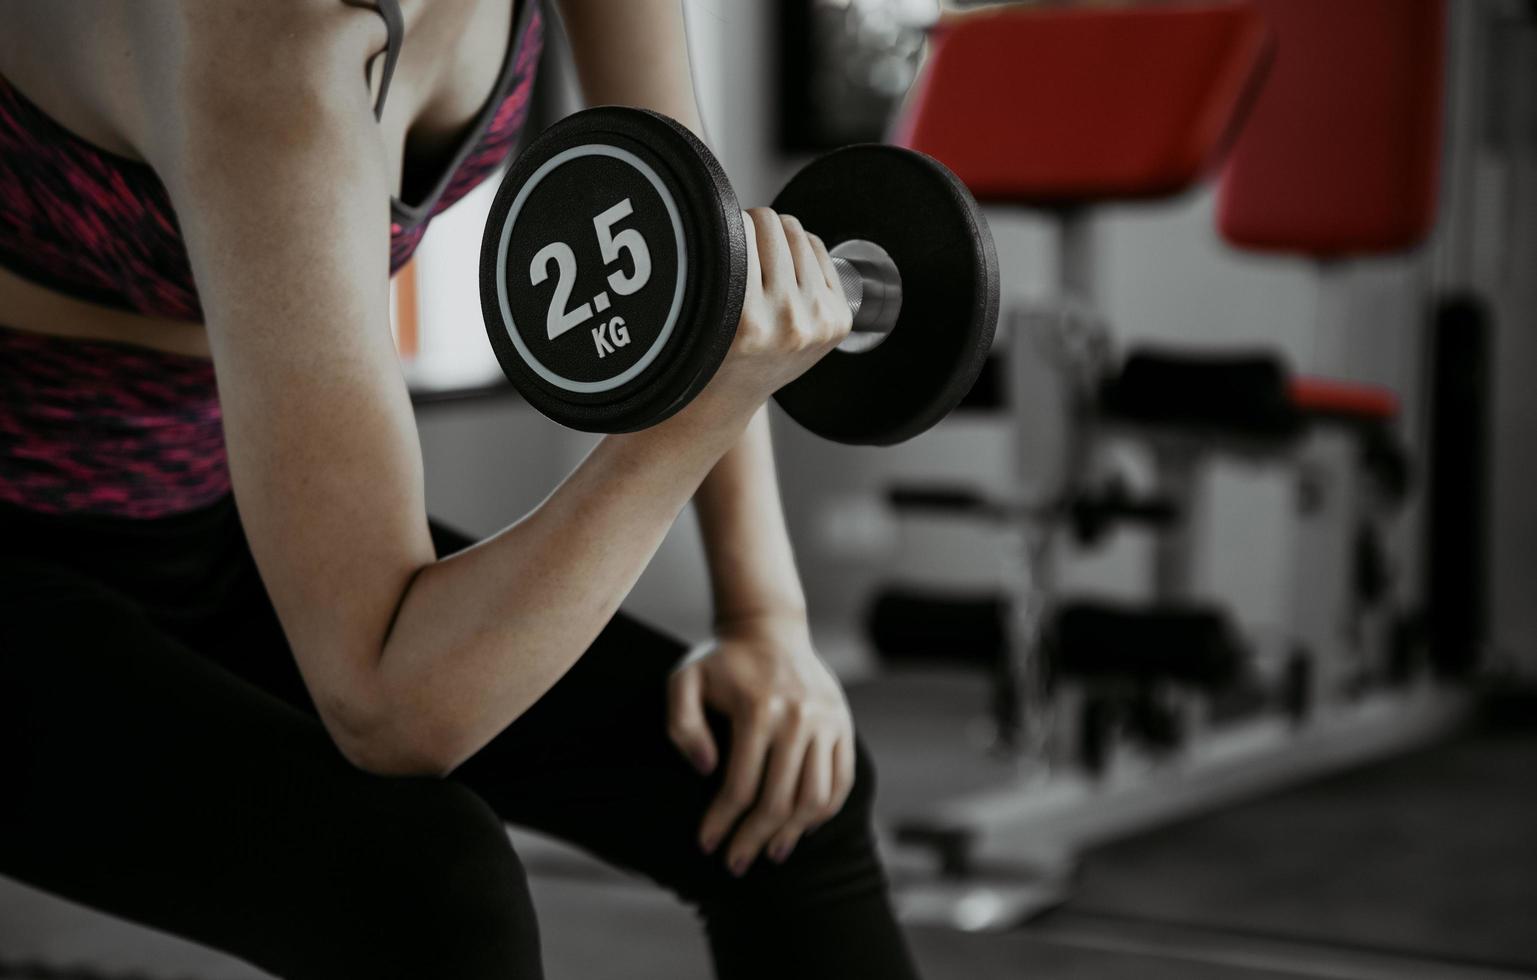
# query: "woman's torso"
{"points": [[107, 399]]}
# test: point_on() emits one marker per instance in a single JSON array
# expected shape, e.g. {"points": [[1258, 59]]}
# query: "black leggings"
{"points": [[160, 760]]}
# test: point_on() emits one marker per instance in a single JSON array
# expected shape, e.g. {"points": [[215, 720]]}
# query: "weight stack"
{"points": [[916, 627], [1457, 485], [1194, 645]]}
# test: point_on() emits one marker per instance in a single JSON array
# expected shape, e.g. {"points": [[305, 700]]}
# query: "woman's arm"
{"points": [[792, 753], [256, 117], [636, 53]]}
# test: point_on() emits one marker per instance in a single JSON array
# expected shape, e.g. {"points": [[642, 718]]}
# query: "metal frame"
{"points": [[1004, 853]]}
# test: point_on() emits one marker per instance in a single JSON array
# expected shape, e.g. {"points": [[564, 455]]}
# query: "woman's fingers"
{"points": [[829, 271], [774, 256], [843, 774], [754, 264], [776, 802], [823, 297], [790, 770], [808, 271], [686, 724], [812, 800], [750, 738]]}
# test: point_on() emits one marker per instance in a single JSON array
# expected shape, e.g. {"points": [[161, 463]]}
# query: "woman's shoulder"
{"points": [[110, 71]]}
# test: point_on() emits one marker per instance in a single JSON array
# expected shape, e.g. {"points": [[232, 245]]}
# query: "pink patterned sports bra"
{"points": [[111, 428]]}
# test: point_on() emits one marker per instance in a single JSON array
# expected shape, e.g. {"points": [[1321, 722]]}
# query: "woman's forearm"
{"points": [[636, 53], [752, 568], [480, 635]]}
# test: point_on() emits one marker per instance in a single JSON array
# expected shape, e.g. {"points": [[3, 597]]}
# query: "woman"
{"points": [[294, 733]]}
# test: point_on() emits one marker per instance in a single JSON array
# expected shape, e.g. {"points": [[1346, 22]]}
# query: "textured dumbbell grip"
{"points": [[853, 284], [873, 288]]}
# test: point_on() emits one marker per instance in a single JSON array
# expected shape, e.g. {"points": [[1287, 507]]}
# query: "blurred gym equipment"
{"points": [[1111, 717]]}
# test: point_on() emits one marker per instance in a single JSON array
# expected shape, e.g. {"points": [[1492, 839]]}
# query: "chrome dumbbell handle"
{"points": [[873, 287]]}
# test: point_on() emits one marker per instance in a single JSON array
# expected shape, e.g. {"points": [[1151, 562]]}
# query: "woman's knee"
{"points": [[450, 843], [852, 825], [854, 818], [452, 864], [836, 859], [433, 888], [862, 797]]}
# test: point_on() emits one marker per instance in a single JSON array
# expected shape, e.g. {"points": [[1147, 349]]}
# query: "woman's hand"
{"points": [[793, 313], [792, 739]]}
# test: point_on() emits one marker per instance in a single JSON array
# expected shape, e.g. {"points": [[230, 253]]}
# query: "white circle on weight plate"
{"points": [[538, 367]]}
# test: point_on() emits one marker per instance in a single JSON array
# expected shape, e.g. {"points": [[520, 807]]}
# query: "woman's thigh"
{"points": [[142, 778], [591, 763]]}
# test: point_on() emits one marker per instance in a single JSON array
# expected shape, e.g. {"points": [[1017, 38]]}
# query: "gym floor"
{"points": [[1424, 866]]}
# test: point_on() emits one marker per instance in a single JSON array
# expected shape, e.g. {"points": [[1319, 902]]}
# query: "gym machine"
{"points": [[1111, 717]]}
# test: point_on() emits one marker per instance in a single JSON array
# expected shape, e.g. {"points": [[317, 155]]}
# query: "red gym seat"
{"points": [[1327, 112], [1341, 152], [1343, 401], [1340, 155], [1062, 105]]}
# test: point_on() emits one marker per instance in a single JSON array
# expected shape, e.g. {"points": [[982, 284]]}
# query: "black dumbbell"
{"points": [[614, 264]]}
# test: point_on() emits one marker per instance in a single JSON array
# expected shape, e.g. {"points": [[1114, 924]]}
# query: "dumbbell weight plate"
{"points": [[923, 216], [612, 269]]}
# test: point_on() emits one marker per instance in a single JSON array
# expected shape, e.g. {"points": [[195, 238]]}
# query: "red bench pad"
{"points": [[1344, 400], [1341, 152], [1062, 105]]}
